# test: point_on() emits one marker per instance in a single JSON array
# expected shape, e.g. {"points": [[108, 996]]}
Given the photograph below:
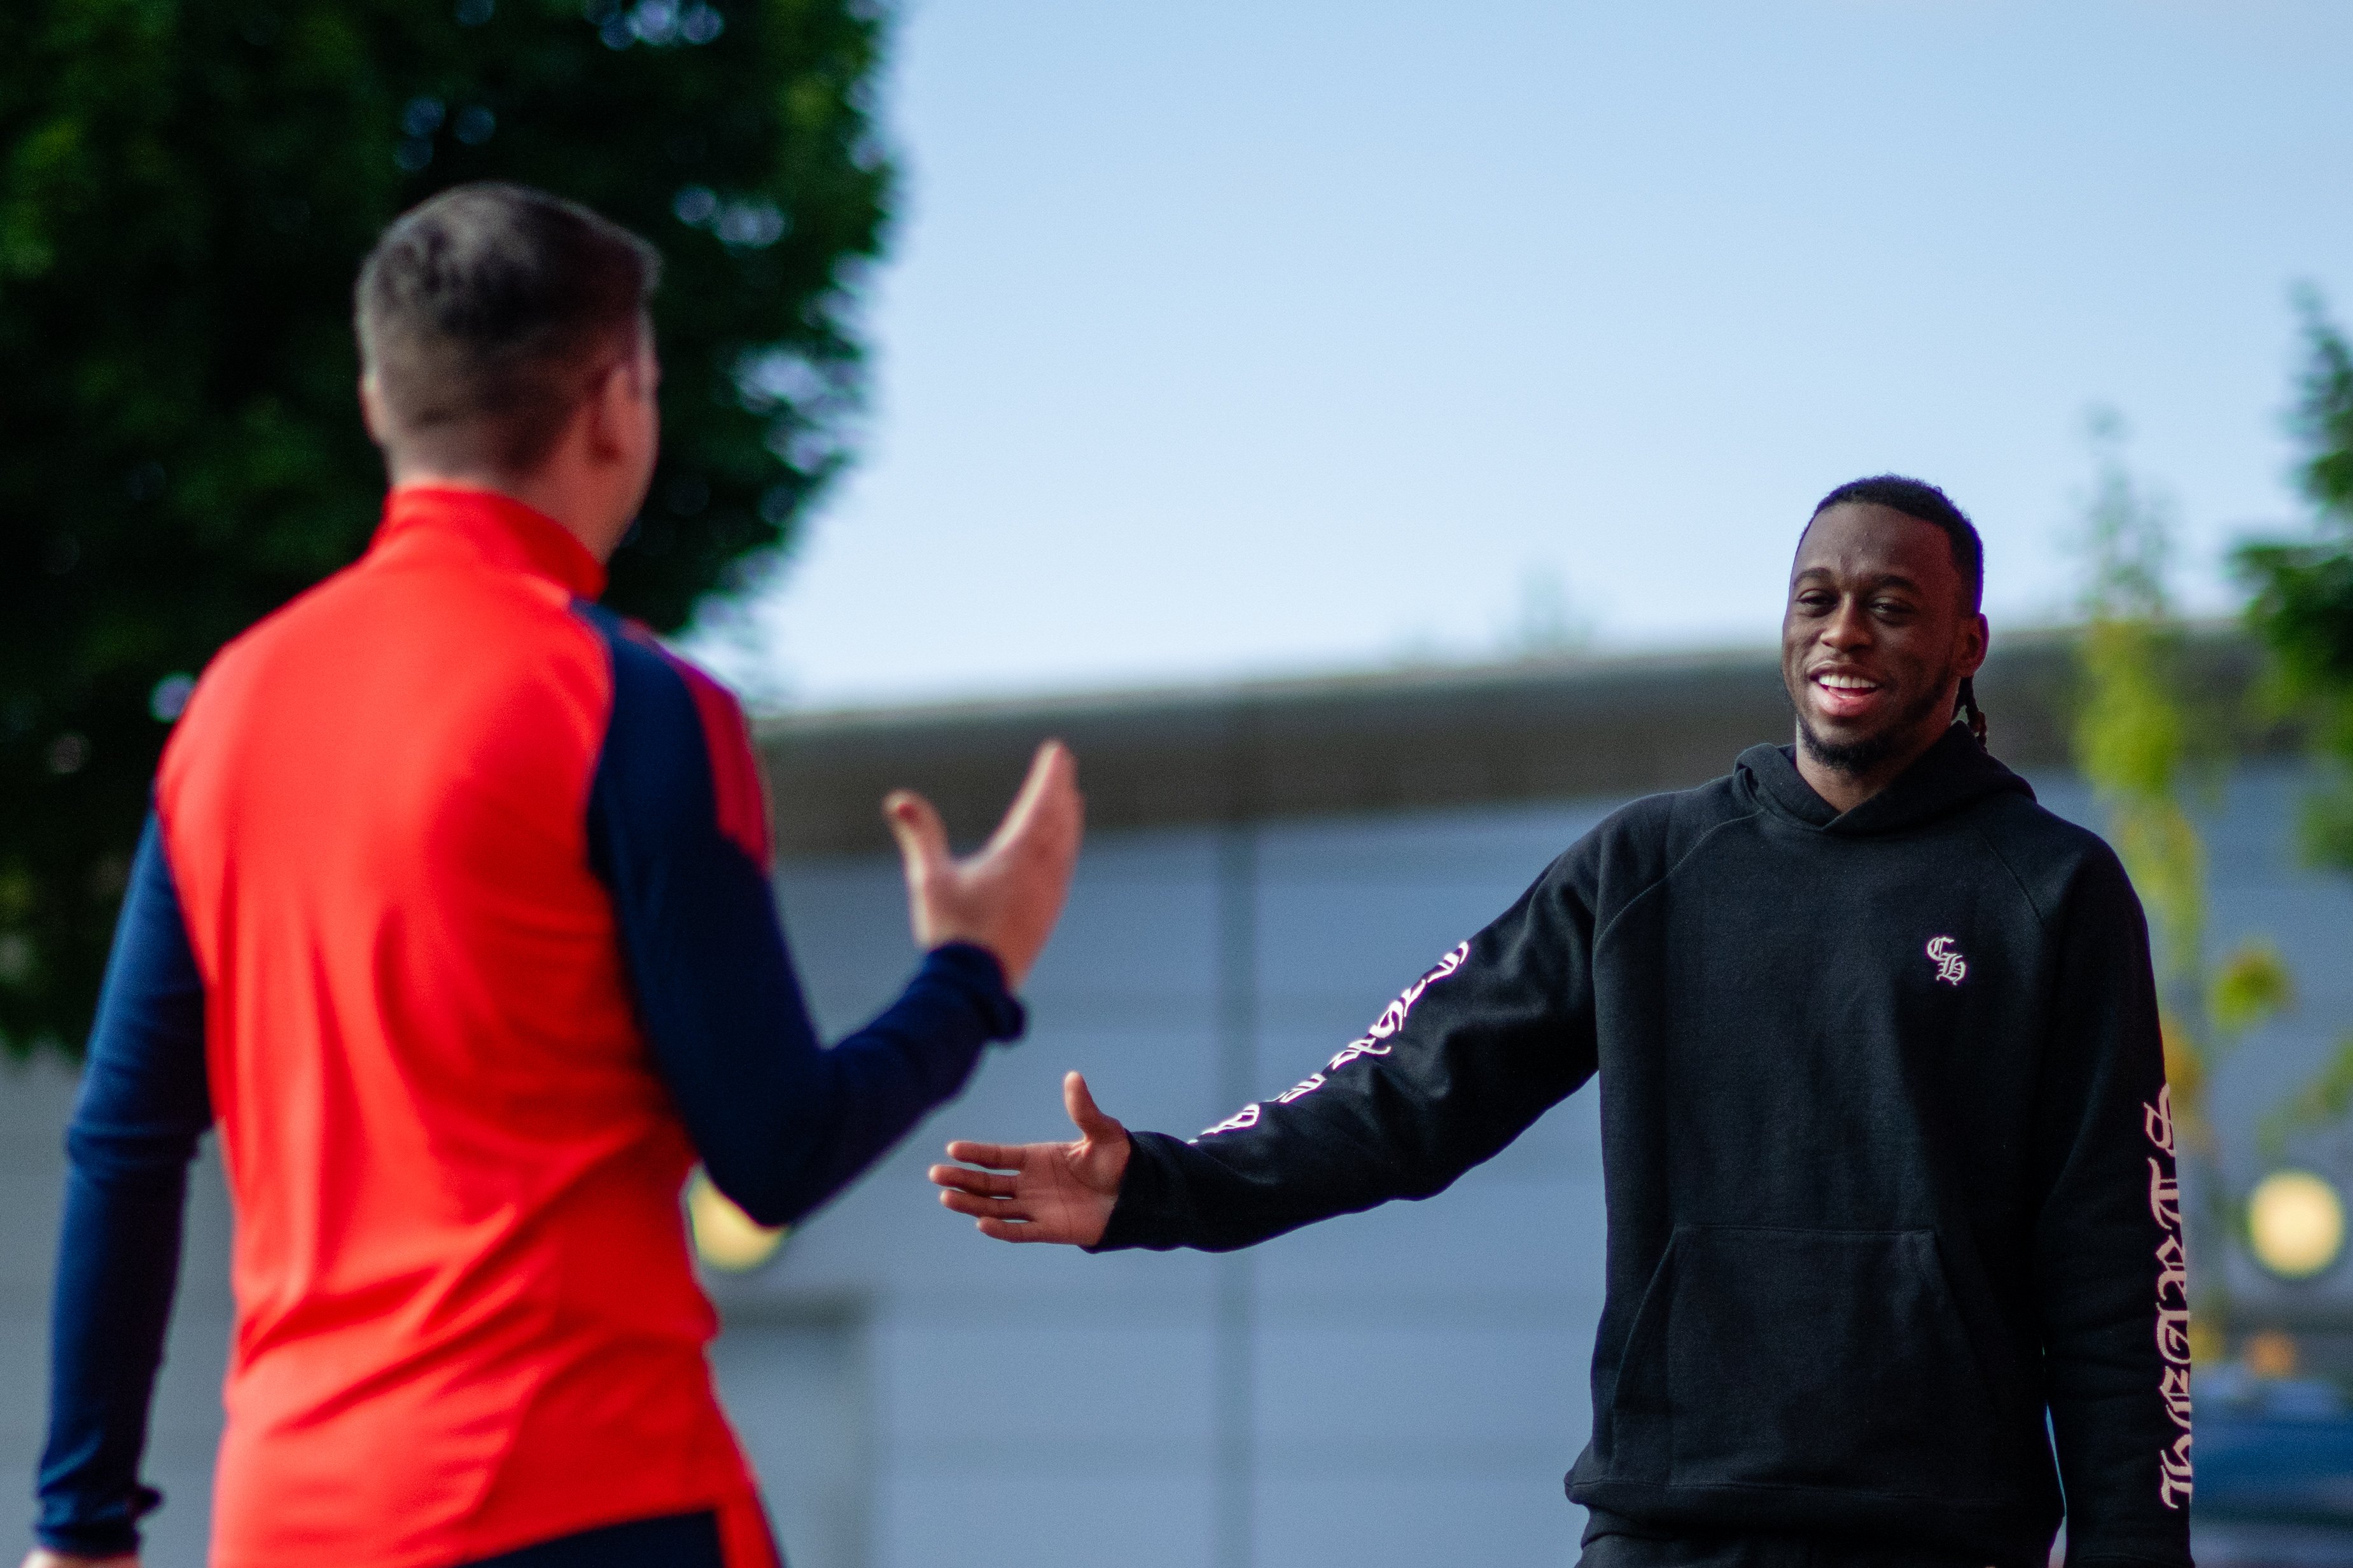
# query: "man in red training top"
{"points": [[453, 915]]}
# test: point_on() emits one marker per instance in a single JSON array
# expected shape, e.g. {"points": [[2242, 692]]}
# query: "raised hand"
{"points": [[1008, 896], [1042, 1192]]}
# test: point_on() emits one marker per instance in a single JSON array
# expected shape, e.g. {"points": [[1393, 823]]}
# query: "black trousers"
{"points": [[673, 1540], [1614, 1542]]}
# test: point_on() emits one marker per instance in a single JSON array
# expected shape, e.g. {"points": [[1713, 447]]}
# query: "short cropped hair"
{"points": [[483, 313], [1919, 500]]}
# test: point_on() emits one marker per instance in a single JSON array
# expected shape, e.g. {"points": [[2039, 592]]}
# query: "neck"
{"points": [[545, 492], [1845, 788]]}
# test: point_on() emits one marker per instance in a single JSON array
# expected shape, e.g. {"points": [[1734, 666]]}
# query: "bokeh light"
{"points": [[2296, 1224], [726, 1237]]}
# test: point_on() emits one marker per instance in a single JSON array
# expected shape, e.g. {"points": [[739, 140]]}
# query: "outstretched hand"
{"points": [[1008, 896], [1042, 1192]]}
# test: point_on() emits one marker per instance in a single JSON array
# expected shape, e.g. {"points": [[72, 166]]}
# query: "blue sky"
{"points": [[1225, 339]]}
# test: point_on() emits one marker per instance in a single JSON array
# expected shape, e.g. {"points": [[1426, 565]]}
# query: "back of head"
{"points": [[484, 314]]}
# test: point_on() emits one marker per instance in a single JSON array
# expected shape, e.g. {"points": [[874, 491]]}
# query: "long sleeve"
{"points": [[2109, 1270], [678, 834], [142, 1106], [1500, 1030]]}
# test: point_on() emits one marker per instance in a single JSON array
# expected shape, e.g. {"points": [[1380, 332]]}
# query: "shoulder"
{"points": [[288, 631], [2059, 865], [647, 674], [1665, 827], [465, 659], [1642, 842], [2015, 819], [675, 729]]}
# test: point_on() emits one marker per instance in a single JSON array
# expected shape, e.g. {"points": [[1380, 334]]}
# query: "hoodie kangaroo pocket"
{"points": [[1803, 1358]]}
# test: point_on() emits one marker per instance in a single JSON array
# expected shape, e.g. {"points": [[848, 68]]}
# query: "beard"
{"points": [[1864, 752]]}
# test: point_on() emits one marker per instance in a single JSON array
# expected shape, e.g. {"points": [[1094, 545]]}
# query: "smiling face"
{"points": [[1876, 637]]}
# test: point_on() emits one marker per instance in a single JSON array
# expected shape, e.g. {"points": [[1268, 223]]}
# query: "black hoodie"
{"points": [[1888, 1162]]}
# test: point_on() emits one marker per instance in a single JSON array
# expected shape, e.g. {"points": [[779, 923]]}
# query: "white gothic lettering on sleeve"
{"points": [[2172, 1271], [2164, 1197], [2173, 1479], [2158, 1119], [2176, 1387], [1373, 1042], [2173, 1472], [1246, 1117], [2173, 1336]]}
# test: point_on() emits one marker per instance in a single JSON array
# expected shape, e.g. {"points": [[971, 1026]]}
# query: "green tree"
{"points": [[186, 188], [2302, 605], [2303, 612], [2134, 741]]}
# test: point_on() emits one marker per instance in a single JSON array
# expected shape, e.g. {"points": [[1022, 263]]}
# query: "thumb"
{"points": [[923, 836], [1084, 1113]]}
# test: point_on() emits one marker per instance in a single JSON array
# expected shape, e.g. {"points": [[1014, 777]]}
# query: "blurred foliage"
{"points": [[2130, 739], [2302, 605], [2250, 986], [186, 189], [2303, 611], [2132, 731], [2136, 741], [2322, 1100]]}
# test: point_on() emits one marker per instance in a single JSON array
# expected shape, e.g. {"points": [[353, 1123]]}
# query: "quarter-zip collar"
{"points": [[500, 529]]}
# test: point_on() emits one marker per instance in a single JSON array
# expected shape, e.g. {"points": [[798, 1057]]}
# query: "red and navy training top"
{"points": [[453, 915]]}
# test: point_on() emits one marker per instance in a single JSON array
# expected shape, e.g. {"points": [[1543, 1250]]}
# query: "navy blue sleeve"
{"points": [[781, 1121], [143, 1105]]}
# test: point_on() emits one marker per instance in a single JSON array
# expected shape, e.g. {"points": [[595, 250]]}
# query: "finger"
{"points": [[1049, 799], [985, 1183], [990, 1225], [999, 1208], [1085, 1115], [996, 1156], [923, 836]]}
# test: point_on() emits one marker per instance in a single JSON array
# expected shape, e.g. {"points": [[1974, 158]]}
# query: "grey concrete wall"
{"points": [[1401, 1387], [1404, 741], [1414, 1377]]}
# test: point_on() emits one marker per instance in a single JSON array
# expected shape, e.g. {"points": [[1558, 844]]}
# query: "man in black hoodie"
{"points": [[1887, 1146]]}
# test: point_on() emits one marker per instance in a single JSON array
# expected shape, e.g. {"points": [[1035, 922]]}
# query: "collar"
{"points": [[1953, 772], [499, 529]]}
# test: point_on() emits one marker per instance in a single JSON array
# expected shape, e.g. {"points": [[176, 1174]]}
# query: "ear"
{"points": [[1976, 637], [606, 409], [371, 410]]}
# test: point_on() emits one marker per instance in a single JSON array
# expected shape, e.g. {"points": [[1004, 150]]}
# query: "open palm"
{"points": [[1008, 896], [1042, 1192]]}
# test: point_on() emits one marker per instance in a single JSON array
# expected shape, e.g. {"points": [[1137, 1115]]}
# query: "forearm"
{"points": [[117, 1269], [2109, 1263], [1175, 1195], [1453, 1069], [781, 1122], [850, 1105], [142, 1106], [2116, 1364]]}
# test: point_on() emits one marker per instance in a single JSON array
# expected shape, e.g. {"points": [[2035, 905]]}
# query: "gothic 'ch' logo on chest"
{"points": [[1945, 953]]}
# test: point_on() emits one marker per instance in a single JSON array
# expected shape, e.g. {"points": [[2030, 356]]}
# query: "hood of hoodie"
{"points": [[1954, 772]]}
